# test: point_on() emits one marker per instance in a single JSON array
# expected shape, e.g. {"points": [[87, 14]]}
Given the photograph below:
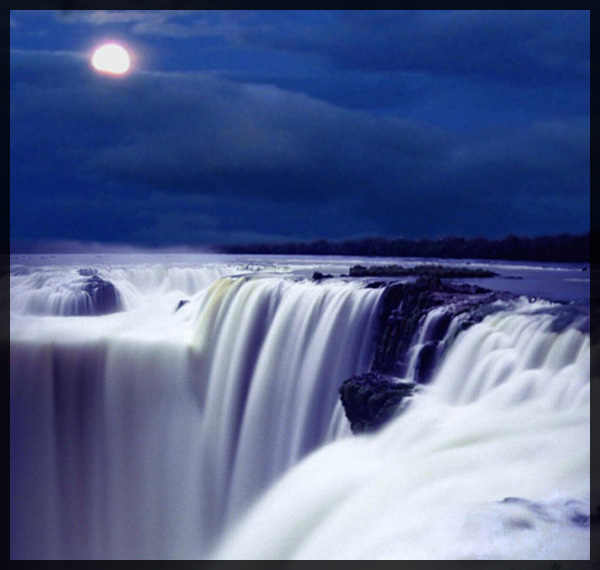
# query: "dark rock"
{"points": [[373, 284], [317, 276], [181, 304], [403, 311], [426, 361], [440, 271], [371, 399], [87, 272], [580, 519], [104, 296]]}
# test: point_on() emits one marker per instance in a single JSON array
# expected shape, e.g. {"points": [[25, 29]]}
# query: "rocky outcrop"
{"points": [[427, 270], [404, 308], [103, 294], [87, 272], [371, 399], [318, 276]]}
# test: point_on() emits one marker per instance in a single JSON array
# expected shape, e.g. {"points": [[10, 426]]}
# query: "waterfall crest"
{"points": [[146, 437], [214, 428], [69, 291]]}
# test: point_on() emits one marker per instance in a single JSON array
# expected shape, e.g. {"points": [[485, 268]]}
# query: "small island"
{"points": [[429, 270]]}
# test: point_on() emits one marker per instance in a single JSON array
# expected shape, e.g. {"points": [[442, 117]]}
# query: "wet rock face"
{"points": [[404, 307], [318, 276], [104, 296], [426, 361], [87, 272], [371, 399]]}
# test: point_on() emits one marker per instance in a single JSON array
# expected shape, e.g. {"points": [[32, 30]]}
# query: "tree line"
{"points": [[561, 248]]}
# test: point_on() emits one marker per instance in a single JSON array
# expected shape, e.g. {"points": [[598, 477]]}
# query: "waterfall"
{"points": [[272, 354], [64, 290], [142, 433], [490, 461], [214, 429]]}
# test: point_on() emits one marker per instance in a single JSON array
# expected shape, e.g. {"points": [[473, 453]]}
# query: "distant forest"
{"points": [[565, 248]]}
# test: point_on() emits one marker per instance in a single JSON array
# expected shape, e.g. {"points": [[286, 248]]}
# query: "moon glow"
{"points": [[112, 59]]}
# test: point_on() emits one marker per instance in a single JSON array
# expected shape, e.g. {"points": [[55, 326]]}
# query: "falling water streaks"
{"points": [[155, 433]]}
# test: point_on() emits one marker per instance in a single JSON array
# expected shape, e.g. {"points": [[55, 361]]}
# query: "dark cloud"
{"points": [[170, 23], [161, 157], [263, 141], [522, 44], [350, 89], [178, 131]]}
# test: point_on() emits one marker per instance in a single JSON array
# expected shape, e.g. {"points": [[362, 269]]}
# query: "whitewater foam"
{"points": [[155, 427], [431, 485], [215, 430]]}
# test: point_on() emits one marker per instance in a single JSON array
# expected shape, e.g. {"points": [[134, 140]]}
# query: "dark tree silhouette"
{"points": [[565, 248]]}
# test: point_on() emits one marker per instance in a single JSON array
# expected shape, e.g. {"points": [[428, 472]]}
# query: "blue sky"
{"points": [[244, 126]]}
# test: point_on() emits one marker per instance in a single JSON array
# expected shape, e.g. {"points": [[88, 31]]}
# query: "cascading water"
{"points": [[491, 461], [67, 291], [214, 428], [272, 354], [141, 433]]}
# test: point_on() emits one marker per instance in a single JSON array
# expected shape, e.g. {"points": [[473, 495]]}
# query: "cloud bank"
{"points": [[205, 157]]}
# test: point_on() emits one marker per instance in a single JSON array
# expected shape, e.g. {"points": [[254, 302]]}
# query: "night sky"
{"points": [[267, 126]]}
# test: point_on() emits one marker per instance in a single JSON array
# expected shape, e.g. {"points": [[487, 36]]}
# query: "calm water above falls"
{"points": [[215, 430]]}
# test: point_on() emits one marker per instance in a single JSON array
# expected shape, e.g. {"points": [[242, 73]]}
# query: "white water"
{"points": [[57, 289], [151, 433], [507, 415], [141, 433]]}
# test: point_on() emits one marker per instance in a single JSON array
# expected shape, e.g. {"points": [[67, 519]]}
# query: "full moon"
{"points": [[111, 58]]}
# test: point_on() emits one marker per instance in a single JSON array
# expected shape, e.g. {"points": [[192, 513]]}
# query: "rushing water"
{"points": [[213, 428], [506, 416]]}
